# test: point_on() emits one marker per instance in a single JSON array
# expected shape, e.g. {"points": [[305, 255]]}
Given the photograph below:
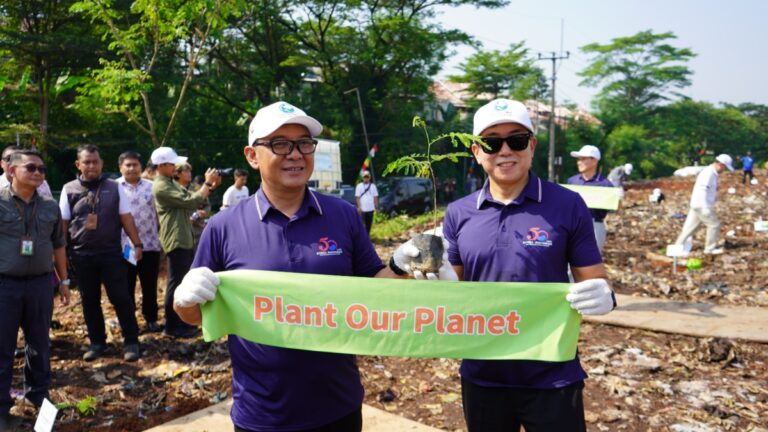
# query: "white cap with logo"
{"points": [[500, 111], [163, 155], [725, 160], [271, 117], [587, 151], [628, 168]]}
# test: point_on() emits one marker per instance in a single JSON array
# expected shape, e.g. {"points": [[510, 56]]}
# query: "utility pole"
{"points": [[365, 132], [551, 159]]}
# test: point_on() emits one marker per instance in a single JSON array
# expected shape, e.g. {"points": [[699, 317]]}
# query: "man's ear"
{"points": [[250, 156]]}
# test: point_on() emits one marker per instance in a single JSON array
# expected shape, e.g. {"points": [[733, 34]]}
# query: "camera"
{"points": [[225, 172]]}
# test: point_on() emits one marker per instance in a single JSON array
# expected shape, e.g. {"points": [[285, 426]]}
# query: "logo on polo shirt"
{"points": [[326, 247], [537, 237]]}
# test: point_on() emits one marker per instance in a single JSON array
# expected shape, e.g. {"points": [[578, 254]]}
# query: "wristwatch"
{"points": [[139, 245], [65, 282], [397, 270]]}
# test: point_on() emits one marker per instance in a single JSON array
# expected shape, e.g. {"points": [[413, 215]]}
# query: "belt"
{"points": [[24, 278]]}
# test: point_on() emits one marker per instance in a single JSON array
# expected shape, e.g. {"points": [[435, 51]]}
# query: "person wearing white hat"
{"points": [[285, 226], [174, 205], [520, 228], [587, 159], [619, 174], [367, 199], [702, 205]]}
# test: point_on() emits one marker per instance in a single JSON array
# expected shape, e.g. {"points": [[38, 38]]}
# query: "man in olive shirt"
{"points": [[30, 234], [174, 205]]}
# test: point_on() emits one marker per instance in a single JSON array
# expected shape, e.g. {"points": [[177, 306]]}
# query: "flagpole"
{"points": [[365, 132]]}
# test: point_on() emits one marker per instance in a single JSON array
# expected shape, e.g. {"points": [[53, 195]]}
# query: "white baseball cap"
{"points": [[271, 117], [365, 173], [725, 160], [163, 155], [628, 168], [500, 111], [587, 151]]}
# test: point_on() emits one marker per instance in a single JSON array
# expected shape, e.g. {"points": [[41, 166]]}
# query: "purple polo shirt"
{"points": [[596, 180], [278, 388], [532, 239]]}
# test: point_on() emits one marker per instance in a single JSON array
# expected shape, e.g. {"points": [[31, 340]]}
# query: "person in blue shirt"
{"points": [[747, 163], [587, 160]]}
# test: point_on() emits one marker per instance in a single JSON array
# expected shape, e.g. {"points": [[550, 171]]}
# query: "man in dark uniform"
{"points": [[30, 234], [94, 210]]}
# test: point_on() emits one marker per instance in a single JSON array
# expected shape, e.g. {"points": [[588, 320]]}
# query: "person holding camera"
{"points": [[174, 204], [238, 191]]}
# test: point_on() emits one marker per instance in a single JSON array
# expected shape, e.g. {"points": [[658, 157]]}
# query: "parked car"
{"points": [[347, 193], [411, 195]]}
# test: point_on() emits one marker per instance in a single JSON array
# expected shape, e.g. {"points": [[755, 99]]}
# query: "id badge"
{"points": [[91, 221], [27, 246]]}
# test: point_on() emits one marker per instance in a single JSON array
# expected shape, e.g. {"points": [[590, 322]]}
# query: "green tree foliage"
{"points": [[511, 73]]}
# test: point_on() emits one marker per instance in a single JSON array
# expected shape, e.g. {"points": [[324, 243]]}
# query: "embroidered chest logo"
{"points": [[326, 247], [537, 237]]}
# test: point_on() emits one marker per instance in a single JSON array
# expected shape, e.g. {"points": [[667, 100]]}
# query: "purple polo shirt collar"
{"points": [[532, 191], [310, 202]]}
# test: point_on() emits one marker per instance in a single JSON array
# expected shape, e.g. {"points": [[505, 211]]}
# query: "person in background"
{"points": [[520, 228], [5, 179], [656, 197], [31, 233], [367, 200], [587, 159], [175, 204], [470, 184], [449, 188], [747, 163], [618, 175], [702, 207], [95, 211], [149, 171], [200, 216], [139, 193], [238, 191]]}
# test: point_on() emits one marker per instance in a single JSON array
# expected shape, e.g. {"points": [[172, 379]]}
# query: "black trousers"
{"points": [[350, 423], [179, 262], [147, 269], [744, 177], [25, 303], [109, 269], [504, 409], [368, 221]]}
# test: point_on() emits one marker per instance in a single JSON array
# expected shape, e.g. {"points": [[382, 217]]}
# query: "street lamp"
{"points": [[365, 132]]}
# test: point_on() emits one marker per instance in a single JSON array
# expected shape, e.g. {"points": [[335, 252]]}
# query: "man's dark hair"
{"points": [[19, 154], [87, 148], [130, 154], [12, 147], [239, 172]]}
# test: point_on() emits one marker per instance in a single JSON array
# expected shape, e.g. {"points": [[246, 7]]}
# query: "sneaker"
{"points": [[94, 352], [715, 251], [154, 327], [131, 353]]}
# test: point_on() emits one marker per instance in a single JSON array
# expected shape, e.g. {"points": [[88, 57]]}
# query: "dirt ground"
{"points": [[639, 380]]}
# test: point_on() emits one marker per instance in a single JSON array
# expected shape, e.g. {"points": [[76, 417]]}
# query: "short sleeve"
{"points": [[374, 190], [66, 213], [450, 235], [125, 202]]}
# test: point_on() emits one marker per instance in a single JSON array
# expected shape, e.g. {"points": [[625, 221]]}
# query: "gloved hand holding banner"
{"points": [[395, 317]]}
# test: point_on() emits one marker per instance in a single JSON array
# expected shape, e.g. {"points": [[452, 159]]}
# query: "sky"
{"points": [[730, 39]]}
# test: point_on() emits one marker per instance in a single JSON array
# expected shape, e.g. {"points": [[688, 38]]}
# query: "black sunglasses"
{"points": [[32, 168], [283, 146], [515, 142]]}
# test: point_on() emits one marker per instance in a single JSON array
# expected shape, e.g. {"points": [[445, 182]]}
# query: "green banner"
{"points": [[597, 197], [395, 317]]}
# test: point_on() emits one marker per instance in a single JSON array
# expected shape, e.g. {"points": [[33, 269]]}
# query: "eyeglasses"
{"points": [[7, 159], [32, 168], [515, 142], [282, 146]]}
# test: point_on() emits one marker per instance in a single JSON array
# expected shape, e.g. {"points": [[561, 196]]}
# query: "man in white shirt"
{"points": [[5, 179], [367, 198], [702, 205], [238, 191]]}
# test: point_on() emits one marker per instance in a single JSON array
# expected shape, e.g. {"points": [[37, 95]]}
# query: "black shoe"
{"points": [[94, 352], [154, 327], [18, 353], [131, 353], [186, 333]]}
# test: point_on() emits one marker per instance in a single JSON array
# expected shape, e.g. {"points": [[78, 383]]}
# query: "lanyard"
{"points": [[22, 214], [93, 200]]}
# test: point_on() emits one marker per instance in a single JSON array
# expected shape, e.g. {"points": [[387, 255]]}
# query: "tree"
{"points": [[637, 73]]}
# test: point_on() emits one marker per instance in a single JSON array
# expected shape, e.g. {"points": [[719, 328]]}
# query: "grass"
{"points": [[385, 228]]}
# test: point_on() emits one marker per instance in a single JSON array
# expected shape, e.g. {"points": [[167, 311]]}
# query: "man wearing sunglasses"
{"points": [[5, 179], [587, 159], [285, 226], [30, 234], [520, 228]]}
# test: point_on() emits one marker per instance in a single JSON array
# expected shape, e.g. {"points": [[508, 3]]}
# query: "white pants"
{"points": [[692, 222], [599, 234]]}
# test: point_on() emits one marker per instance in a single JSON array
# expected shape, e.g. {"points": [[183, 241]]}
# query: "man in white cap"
{"points": [[619, 174], [367, 199], [520, 228], [702, 208], [174, 205], [285, 226], [587, 159]]}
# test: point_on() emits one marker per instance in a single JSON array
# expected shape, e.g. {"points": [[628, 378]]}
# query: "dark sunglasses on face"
{"points": [[31, 168], [515, 142], [282, 146]]}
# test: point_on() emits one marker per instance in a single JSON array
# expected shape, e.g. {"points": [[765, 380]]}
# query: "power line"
{"points": [[551, 159]]}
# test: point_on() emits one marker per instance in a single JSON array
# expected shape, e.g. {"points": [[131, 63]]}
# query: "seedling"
{"points": [[86, 407]]}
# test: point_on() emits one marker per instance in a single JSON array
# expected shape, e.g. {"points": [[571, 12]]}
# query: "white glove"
{"points": [[591, 297], [404, 255], [445, 272], [198, 286]]}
